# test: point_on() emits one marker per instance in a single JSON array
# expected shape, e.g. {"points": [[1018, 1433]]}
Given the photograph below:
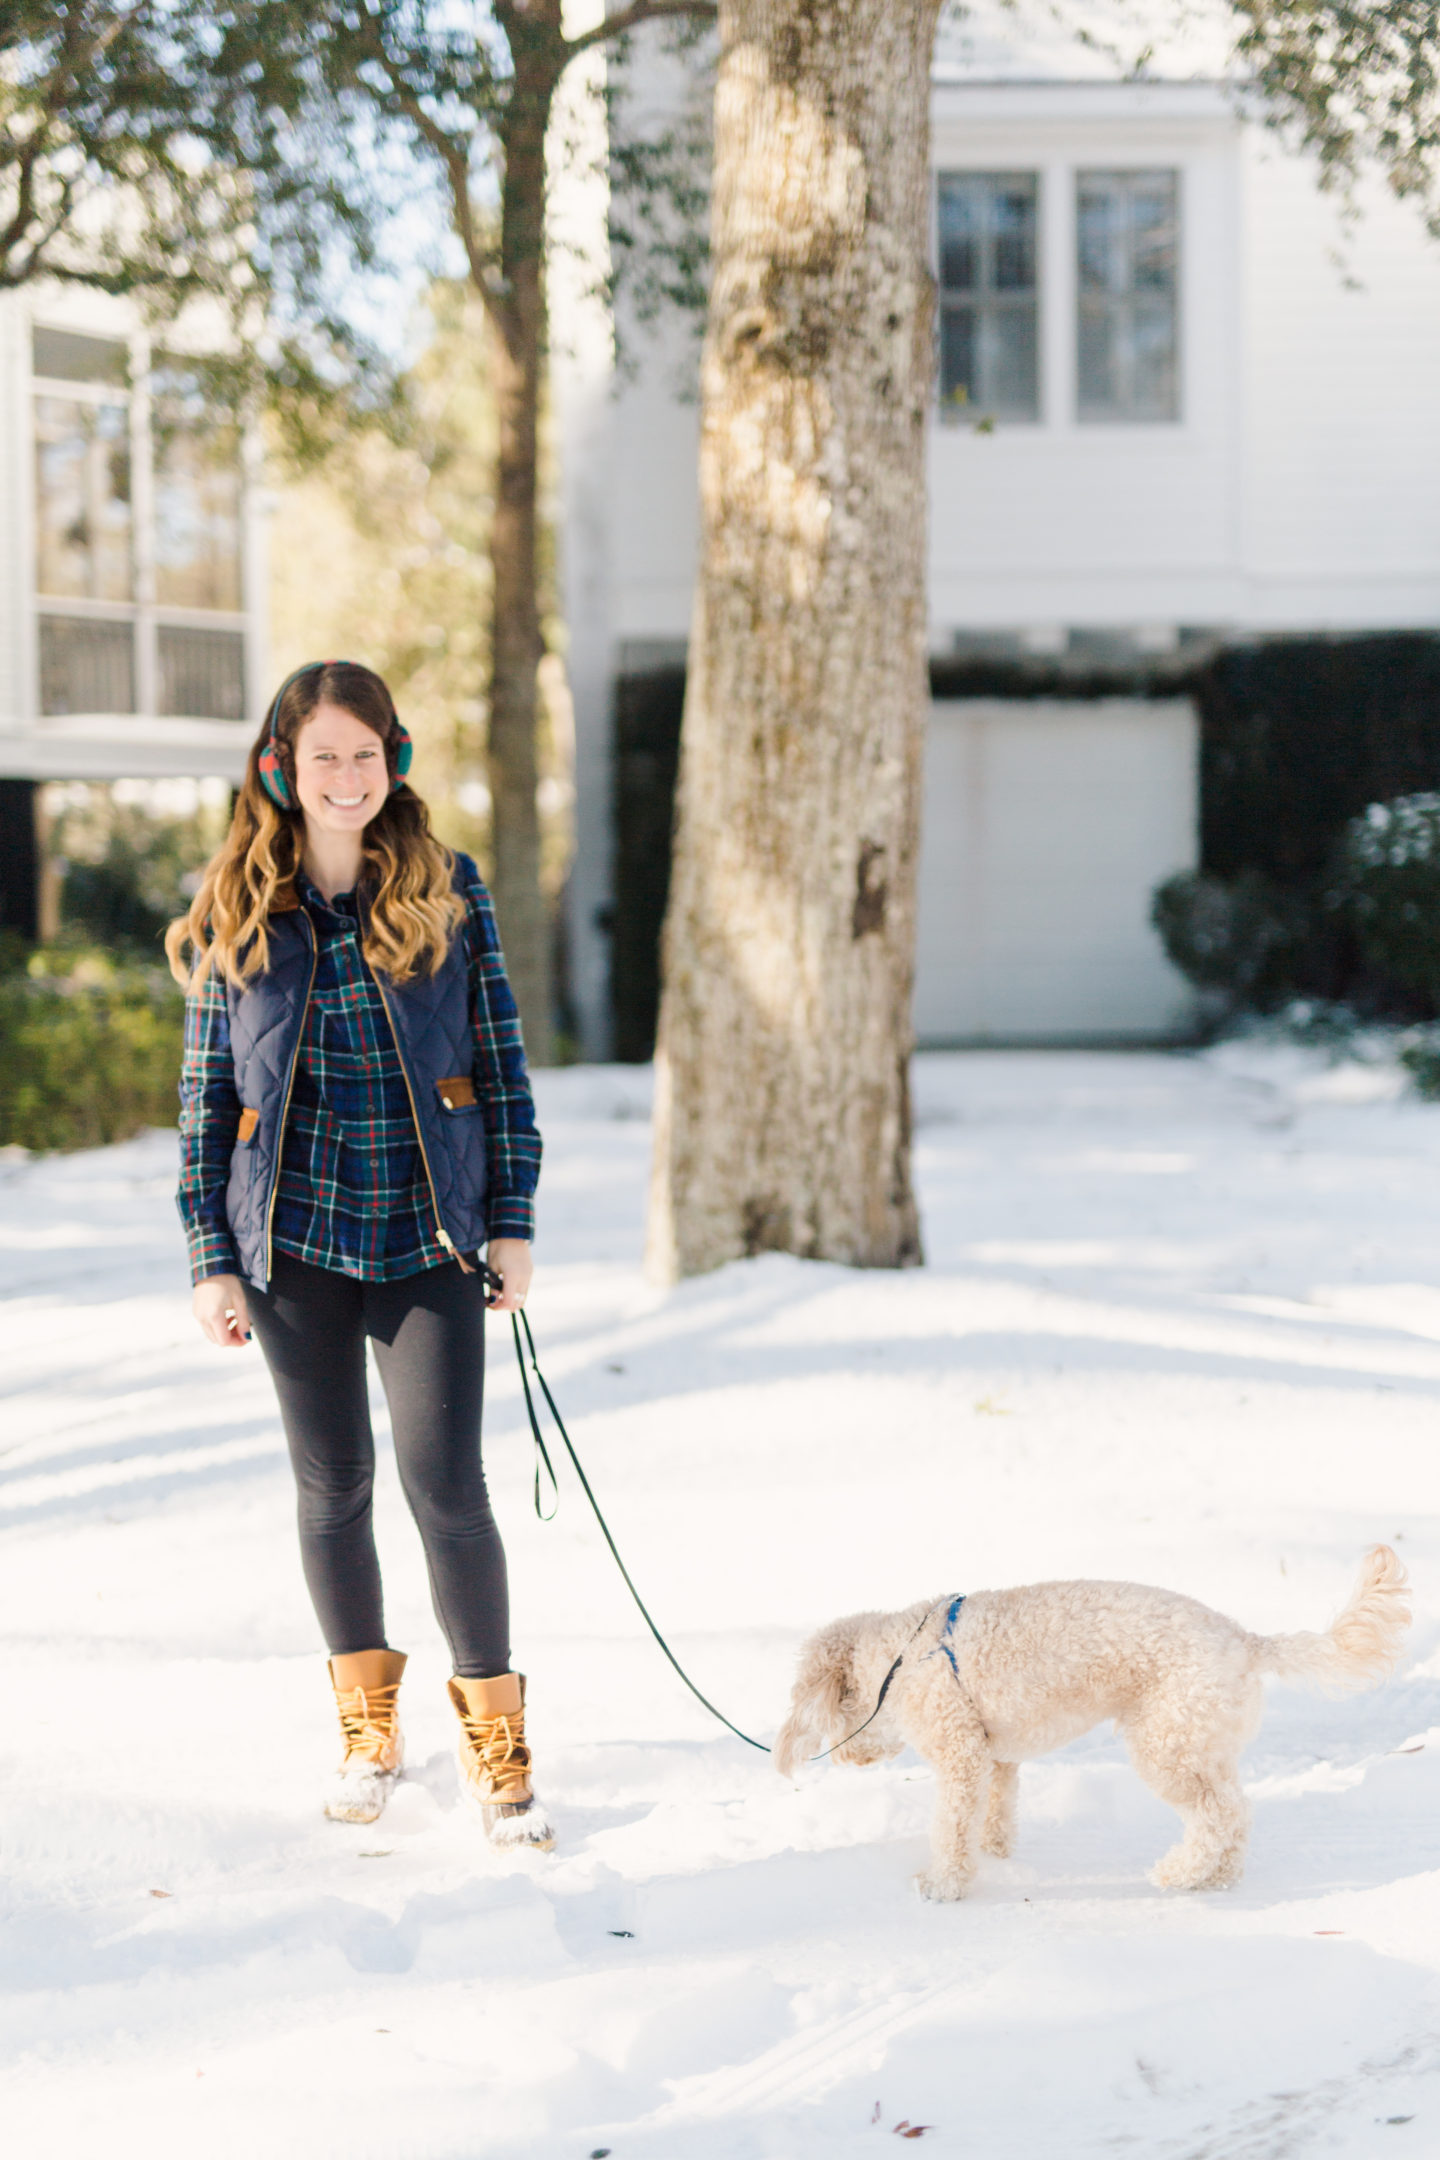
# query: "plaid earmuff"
{"points": [[271, 765]]}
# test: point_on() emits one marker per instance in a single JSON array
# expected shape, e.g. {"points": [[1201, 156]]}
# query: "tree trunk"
{"points": [[516, 645], [782, 1094]]}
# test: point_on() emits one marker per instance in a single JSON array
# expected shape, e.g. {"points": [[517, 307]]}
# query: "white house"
{"points": [[1174, 397], [132, 615]]}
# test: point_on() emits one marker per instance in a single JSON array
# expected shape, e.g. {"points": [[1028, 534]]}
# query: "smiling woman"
{"points": [[356, 1123]]}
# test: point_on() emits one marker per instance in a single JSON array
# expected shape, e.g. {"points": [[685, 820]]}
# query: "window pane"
{"points": [[1010, 373], [202, 673], [988, 344], [82, 499], [86, 667], [957, 356], [1101, 390], [197, 494], [960, 228], [68, 357], [1153, 222], [1101, 262], [1127, 242], [1014, 214], [1152, 332]]}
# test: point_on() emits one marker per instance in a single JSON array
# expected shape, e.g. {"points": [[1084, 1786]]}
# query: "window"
{"points": [[197, 492], [138, 534], [201, 671], [988, 303], [1128, 243], [66, 356], [83, 517], [86, 667]]}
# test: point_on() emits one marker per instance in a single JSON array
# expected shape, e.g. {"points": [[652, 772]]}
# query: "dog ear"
{"points": [[819, 1697]]}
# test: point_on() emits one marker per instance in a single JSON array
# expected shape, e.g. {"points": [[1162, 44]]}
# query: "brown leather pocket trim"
{"points": [[249, 1119], [457, 1093]]}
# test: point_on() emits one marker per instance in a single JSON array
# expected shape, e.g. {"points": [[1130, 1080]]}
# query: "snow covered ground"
{"points": [[1181, 1322]]}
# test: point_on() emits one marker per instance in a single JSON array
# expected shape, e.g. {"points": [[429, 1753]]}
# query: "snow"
{"points": [[1180, 1322]]}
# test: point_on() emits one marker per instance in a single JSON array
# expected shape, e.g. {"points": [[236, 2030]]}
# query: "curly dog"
{"points": [[984, 1683]]}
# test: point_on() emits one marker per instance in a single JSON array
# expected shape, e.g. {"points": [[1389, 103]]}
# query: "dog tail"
{"points": [[1362, 1646]]}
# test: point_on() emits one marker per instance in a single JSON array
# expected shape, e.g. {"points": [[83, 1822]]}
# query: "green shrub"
{"points": [[89, 1050], [1391, 890], [1238, 937], [1421, 1058]]}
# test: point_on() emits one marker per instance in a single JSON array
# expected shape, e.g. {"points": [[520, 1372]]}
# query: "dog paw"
{"points": [[1169, 1875], [942, 1889], [997, 1846]]}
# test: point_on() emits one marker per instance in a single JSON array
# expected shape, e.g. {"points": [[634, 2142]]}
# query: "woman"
{"points": [[356, 1123]]}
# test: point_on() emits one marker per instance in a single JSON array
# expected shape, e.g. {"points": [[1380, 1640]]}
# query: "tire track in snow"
{"points": [[798, 2068]]}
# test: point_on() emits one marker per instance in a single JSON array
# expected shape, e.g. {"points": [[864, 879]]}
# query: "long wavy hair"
{"points": [[414, 910]]}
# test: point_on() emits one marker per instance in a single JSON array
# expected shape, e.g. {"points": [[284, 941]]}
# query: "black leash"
{"points": [[518, 1321]]}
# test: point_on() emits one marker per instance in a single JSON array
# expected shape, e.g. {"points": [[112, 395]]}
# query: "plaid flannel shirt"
{"points": [[352, 1193]]}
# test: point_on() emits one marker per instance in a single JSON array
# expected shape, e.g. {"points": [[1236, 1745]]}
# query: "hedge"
{"points": [[1319, 758], [1299, 735], [89, 1050]]}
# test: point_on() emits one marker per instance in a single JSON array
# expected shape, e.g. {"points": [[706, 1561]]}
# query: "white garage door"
{"points": [[1047, 827]]}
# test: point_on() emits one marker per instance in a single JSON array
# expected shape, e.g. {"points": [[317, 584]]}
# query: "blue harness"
{"points": [[944, 1644]]}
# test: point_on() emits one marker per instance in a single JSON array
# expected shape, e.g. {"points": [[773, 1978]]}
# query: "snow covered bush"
{"points": [[89, 1051], [1238, 937], [1420, 1055], [1391, 891]]}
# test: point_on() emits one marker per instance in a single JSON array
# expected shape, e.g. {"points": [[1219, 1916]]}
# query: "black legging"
{"points": [[429, 1337]]}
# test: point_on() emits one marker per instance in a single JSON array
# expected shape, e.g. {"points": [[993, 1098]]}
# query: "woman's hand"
{"points": [[511, 1259], [219, 1306]]}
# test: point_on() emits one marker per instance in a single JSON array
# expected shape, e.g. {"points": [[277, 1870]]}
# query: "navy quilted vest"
{"points": [[430, 1015]]}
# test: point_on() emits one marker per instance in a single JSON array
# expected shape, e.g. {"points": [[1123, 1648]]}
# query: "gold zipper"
{"points": [[441, 1232], [285, 1106]]}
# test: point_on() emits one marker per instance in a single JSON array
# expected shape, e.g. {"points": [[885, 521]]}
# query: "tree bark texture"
{"points": [[516, 643], [782, 1092]]}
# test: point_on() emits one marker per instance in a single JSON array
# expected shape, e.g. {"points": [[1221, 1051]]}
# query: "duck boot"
{"points": [[495, 1762], [367, 1689]]}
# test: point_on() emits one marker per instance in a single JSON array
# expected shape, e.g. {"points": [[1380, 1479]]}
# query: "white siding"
{"points": [[1341, 447], [657, 444], [1047, 827], [15, 521], [1066, 523]]}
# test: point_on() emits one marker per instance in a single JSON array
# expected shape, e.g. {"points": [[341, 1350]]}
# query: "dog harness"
{"points": [[944, 1645]]}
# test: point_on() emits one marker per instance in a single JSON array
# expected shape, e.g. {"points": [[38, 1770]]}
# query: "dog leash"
{"points": [[519, 1322]]}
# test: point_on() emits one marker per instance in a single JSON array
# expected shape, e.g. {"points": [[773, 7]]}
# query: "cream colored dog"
{"points": [[1014, 1673]]}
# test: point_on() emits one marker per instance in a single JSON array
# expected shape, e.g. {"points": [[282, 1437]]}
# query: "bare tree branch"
{"points": [[455, 157], [640, 11]]}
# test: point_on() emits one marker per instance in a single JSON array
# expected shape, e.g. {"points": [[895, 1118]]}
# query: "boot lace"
{"points": [[368, 1717], [497, 1744]]}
